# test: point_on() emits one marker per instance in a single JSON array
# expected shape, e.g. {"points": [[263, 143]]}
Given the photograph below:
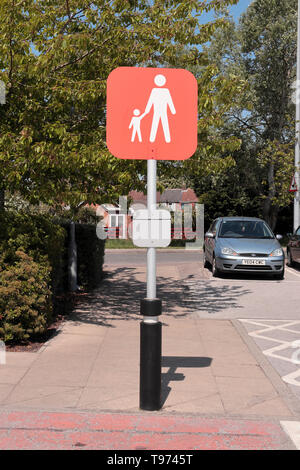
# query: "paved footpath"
{"points": [[80, 390]]}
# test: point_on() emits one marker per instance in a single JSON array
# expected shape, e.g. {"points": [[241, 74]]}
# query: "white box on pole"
{"points": [[151, 229]]}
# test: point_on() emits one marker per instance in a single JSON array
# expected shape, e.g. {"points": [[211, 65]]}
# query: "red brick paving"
{"points": [[60, 430]]}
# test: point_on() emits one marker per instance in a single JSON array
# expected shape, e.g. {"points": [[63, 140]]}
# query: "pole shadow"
{"points": [[173, 362]]}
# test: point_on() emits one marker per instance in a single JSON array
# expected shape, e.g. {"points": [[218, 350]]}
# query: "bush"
{"points": [[31, 270], [34, 270], [25, 298], [36, 235]]}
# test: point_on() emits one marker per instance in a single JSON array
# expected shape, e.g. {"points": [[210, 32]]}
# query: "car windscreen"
{"points": [[245, 229]]}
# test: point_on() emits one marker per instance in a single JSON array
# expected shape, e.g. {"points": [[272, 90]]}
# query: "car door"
{"points": [[295, 246], [210, 242]]}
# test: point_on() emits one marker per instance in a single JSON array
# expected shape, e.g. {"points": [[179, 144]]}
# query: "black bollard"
{"points": [[150, 355]]}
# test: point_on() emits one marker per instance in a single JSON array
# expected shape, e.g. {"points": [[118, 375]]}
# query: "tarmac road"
{"points": [[226, 297], [138, 257]]}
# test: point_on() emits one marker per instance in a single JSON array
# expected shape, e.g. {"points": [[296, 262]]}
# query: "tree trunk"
{"points": [[270, 211], [73, 286], [270, 214]]}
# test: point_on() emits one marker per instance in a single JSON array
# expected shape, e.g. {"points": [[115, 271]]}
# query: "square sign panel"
{"points": [[151, 113], [151, 229]]}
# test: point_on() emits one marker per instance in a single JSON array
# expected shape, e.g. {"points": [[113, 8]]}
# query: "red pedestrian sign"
{"points": [[293, 187], [151, 113]]}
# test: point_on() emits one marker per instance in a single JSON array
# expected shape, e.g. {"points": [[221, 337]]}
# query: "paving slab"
{"points": [[11, 375], [43, 397], [19, 359], [5, 390]]}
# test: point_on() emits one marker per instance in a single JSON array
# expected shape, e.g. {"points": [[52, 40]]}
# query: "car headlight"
{"points": [[277, 252], [229, 251]]}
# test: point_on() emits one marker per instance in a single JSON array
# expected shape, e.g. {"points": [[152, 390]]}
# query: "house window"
{"points": [[117, 226]]}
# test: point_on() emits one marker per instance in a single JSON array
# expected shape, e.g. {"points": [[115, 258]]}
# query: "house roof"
{"points": [[171, 195], [109, 207], [188, 195], [168, 196]]}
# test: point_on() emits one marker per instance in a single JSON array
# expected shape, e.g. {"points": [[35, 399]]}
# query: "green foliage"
{"points": [[55, 57], [268, 34], [261, 52], [25, 298], [82, 214], [31, 265], [277, 162], [35, 234], [119, 244], [33, 269]]}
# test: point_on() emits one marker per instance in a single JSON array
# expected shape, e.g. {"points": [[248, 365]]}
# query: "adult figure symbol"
{"points": [[160, 98]]}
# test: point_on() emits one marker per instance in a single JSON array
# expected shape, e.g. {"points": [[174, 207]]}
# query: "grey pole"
{"points": [[150, 327], [297, 148], [151, 205], [72, 259]]}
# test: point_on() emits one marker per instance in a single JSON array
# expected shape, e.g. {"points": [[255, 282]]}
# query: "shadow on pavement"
{"points": [[210, 297], [174, 362], [118, 297]]}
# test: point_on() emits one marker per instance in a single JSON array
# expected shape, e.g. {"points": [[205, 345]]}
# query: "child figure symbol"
{"points": [[135, 124]]}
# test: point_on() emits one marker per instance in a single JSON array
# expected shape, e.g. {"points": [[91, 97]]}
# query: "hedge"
{"points": [[34, 270], [90, 255], [31, 269], [36, 235]]}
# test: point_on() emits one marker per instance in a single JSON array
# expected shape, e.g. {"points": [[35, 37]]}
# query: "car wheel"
{"points": [[214, 269], [205, 262], [290, 261], [279, 277]]}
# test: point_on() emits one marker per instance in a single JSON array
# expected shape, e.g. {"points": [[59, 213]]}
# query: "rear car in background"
{"points": [[293, 248], [243, 244]]}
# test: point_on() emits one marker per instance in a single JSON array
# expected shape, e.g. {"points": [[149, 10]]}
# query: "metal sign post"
{"points": [[151, 115], [150, 327]]}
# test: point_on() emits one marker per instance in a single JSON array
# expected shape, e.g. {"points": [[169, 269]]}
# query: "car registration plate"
{"points": [[254, 262]]}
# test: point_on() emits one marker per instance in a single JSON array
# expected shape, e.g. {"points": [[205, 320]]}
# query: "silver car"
{"points": [[243, 244]]}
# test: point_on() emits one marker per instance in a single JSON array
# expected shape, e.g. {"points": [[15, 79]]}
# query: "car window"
{"points": [[298, 232], [245, 229], [213, 227]]}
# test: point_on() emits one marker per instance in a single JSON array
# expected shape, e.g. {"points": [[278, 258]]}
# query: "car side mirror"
{"points": [[209, 235], [289, 235], [279, 237]]}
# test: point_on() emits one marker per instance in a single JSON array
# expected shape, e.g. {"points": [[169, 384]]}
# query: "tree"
{"points": [[261, 50], [269, 32], [55, 57]]}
